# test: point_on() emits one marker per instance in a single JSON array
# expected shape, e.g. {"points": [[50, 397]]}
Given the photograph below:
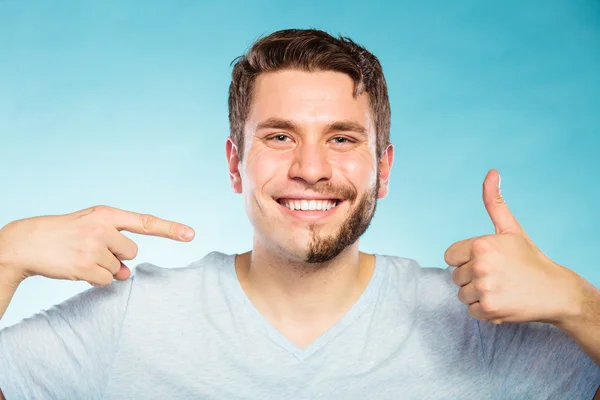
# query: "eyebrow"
{"points": [[336, 126], [277, 123], [347, 126]]}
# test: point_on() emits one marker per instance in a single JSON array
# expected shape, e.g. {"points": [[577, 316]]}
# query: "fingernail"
{"points": [[187, 234], [499, 182]]}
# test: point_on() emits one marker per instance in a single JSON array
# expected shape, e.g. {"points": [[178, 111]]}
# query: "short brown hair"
{"points": [[308, 50]]}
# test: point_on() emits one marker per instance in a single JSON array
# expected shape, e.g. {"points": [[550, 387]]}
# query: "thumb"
{"points": [[502, 218]]}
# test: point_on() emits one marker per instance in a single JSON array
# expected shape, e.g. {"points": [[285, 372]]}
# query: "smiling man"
{"points": [[304, 314]]}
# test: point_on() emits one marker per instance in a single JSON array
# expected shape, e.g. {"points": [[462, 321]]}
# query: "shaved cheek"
{"points": [[356, 170], [266, 156], [263, 167], [252, 150], [252, 166]]}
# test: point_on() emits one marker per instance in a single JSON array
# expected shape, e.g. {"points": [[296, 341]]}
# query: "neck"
{"points": [[291, 291]]}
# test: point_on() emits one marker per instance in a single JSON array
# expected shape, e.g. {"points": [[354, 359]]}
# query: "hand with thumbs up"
{"points": [[505, 277], [86, 245]]}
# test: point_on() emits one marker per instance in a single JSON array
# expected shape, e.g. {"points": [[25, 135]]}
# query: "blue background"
{"points": [[125, 104]]}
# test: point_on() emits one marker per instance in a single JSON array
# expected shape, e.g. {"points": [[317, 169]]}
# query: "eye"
{"points": [[341, 140], [280, 138]]}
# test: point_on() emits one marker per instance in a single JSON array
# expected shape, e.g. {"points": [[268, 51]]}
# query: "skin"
{"points": [[505, 277], [86, 245], [296, 275]]}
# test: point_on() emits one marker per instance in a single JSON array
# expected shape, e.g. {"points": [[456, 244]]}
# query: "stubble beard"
{"points": [[323, 249]]}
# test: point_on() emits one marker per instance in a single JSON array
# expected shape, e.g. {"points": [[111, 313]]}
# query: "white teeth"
{"points": [[309, 205]]}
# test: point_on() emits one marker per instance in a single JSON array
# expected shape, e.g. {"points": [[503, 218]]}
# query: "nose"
{"points": [[310, 163]]}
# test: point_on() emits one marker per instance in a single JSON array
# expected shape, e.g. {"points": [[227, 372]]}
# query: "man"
{"points": [[304, 314]]}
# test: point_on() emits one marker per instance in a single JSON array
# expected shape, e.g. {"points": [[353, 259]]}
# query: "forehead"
{"points": [[307, 98]]}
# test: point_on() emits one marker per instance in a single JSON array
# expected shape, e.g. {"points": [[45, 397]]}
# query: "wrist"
{"points": [[584, 298], [10, 275]]}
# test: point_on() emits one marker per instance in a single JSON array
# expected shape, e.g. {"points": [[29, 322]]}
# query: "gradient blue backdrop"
{"points": [[125, 104]]}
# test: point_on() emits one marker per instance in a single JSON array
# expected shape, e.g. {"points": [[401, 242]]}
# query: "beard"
{"points": [[322, 249]]}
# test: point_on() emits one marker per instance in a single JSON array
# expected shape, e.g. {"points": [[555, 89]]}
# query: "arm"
{"points": [[584, 326], [8, 287], [41, 354], [86, 245], [9, 281]]}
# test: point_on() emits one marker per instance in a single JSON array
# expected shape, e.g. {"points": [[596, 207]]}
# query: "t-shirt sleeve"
{"points": [[537, 360], [64, 352]]}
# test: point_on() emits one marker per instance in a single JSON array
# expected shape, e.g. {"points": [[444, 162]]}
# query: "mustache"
{"points": [[335, 191]]}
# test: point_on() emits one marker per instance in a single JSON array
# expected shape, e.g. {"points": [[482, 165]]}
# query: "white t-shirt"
{"points": [[191, 333]]}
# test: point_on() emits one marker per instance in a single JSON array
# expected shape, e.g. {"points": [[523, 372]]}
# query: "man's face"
{"points": [[309, 175]]}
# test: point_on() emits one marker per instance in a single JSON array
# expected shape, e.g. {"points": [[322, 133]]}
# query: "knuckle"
{"points": [[100, 210], [481, 245], [480, 268], [172, 230], [487, 305], [482, 285], [147, 222]]}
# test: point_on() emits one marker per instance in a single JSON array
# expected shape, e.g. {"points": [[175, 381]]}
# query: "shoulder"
{"points": [[213, 263], [154, 284], [433, 291], [432, 282]]}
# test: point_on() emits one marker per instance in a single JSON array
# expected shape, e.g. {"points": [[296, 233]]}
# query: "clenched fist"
{"points": [[83, 246]]}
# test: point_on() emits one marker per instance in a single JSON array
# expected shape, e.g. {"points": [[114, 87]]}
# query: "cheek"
{"points": [[356, 167], [263, 165]]}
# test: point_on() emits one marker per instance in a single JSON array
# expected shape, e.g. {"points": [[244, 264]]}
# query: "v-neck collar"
{"points": [[367, 296]]}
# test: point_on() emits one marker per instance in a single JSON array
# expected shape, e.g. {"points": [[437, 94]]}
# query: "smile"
{"points": [[309, 209], [308, 205]]}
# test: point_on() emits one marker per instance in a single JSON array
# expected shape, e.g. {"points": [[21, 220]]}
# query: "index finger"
{"points": [[459, 253], [147, 224]]}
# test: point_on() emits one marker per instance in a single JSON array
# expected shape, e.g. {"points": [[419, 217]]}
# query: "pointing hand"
{"points": [[83, 246]]}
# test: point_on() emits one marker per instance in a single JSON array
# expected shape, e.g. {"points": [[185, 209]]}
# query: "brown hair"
{"points": [[308, 50]]}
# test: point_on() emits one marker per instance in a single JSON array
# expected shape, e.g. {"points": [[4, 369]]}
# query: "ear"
{"points": [[385, 167], [233, 162]]}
